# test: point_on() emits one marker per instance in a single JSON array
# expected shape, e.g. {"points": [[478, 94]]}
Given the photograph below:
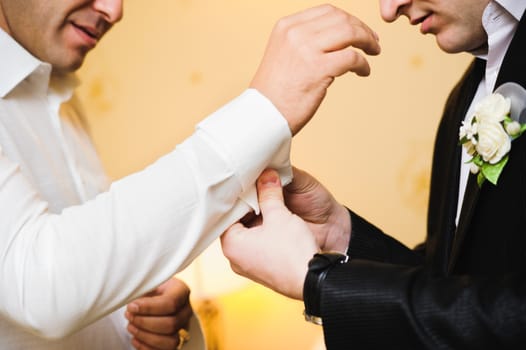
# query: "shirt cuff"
{"points": [[252, 135]]}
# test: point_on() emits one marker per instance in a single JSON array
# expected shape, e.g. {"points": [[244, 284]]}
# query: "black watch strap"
{"points": [[319, 266]]}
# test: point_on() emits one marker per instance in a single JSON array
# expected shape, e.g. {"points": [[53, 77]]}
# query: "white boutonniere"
{"points": [[488, 133]]}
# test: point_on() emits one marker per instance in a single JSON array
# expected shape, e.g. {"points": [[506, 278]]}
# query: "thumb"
{"points": [[270, 192]]}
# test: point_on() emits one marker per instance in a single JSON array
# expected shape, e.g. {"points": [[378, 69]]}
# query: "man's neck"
{"points": [[3, 21], [481, 50]]}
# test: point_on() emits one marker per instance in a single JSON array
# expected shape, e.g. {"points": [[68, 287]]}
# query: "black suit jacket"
{"points": [[465, 287]]}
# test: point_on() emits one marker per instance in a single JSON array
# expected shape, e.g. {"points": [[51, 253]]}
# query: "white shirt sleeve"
{"points": [[60, 272]]}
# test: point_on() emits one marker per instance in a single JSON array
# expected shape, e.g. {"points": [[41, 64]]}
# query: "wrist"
{"points": [[319, 267], [339, 236]]}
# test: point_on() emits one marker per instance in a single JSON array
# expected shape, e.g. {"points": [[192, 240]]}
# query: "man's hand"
{"points": [[305, 52], [276, 251], [156, 318], [327, 219]]}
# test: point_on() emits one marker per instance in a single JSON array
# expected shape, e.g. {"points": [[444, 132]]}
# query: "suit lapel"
{"points": [[511, 70], [468, 207], [446, 168]]}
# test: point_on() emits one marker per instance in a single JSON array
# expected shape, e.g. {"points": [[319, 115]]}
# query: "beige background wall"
{"points": [[171, 63]]}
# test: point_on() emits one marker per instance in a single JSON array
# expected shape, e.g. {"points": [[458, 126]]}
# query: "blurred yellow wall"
{"points": [[171, 63]]}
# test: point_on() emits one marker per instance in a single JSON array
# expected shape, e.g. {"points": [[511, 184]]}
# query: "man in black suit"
{"points": [[465, 286]]}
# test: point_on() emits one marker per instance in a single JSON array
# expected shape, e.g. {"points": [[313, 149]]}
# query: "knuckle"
{"points": [[341, 17], [353, 58], [293, 35], [228, 248], [329, 7], [349, 31], [282, 24]]}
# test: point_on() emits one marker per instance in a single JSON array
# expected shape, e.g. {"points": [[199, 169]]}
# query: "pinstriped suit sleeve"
{"points": [[371, 243], [384, 298]]}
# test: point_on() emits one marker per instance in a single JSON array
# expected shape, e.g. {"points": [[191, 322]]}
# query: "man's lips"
{"points": [[88, 34], [425, 21]]}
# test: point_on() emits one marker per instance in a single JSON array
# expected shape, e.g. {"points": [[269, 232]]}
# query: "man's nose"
{"points": [[110, 9], [390, 10]]}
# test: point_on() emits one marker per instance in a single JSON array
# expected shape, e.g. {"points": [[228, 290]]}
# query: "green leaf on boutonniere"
{"points": [[491, 172], [477, 160]]}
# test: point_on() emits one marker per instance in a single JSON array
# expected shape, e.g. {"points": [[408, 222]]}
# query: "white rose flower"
{"points": [[486, 136], [493, 108], [493, 142]]}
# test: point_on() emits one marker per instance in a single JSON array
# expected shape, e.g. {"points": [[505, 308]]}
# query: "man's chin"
{"points": [[452, 47], [68, 67]]}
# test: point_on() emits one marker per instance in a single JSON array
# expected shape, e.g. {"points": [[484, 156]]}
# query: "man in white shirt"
{"points": [[465, 287], [74, 248]]}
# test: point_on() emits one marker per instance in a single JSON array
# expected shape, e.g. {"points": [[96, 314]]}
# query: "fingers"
{"points": [[337, 30], [145, 340], [156, 318], [148, 341], [166, 325], [336, 35], [330, 29], [274, 253], [305, 52], [309, 14], [162, 304]]}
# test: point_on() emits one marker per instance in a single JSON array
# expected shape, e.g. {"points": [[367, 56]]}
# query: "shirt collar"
{"points": [[17, 64], [500, 20], [515, 7]]}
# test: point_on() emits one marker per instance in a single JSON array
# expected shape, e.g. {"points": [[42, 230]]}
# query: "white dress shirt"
{"points": [[500, 20], [74, 248]]}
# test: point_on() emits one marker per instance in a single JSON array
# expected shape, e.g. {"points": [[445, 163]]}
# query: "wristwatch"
{"points": [[319, 266]]}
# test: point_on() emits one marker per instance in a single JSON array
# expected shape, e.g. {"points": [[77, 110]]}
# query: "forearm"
{"points": [[61, 272], [371, 243], [374, 305]]}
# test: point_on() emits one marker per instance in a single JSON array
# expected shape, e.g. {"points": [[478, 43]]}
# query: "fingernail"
{"points": [[269, 178], [376, 36], [133, 307], [129, 316]]}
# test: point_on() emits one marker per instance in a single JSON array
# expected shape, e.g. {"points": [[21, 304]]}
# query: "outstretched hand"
{"points": [[305, 52], [156, 318], [275, 251]]}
